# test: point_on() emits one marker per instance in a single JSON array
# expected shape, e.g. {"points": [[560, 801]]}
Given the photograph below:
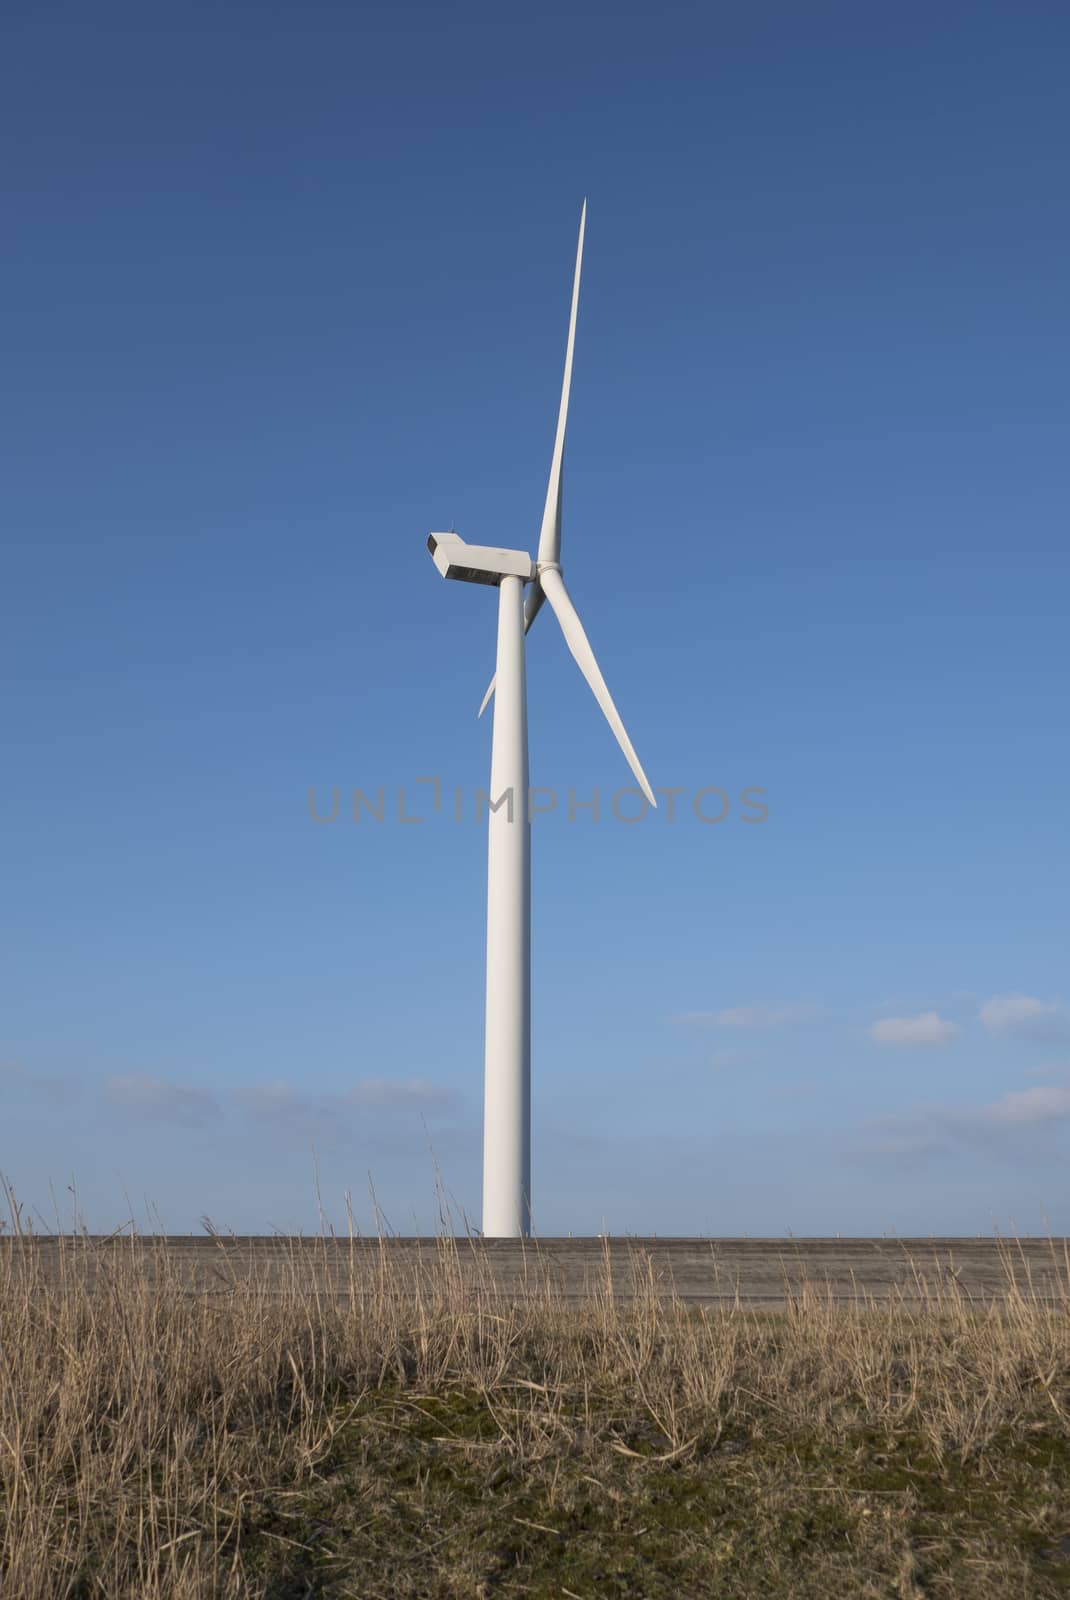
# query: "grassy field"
{"points": [[411, 1441]]}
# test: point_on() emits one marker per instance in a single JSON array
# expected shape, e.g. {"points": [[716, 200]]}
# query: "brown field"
{"points": [[756, 1272], [617, 1418]]}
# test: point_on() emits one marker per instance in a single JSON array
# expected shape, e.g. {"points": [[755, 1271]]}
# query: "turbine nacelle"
{"points": [[478, 563]]}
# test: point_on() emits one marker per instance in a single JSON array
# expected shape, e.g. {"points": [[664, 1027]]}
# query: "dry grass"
{"points": [[411, 1441]]}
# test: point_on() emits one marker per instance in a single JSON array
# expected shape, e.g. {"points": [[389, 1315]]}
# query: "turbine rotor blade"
{"points": [[577, 641], [486, 697], [550, 533], [532, 605]]}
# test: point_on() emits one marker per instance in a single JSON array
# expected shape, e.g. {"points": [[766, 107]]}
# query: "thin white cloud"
{"points": [[1045, 1103], [144, 1098], [751, 1019], [735, 1056], [336, 1120], [268, 1099], [803, 1089], [1024, 1016], [278, 1099], [58, 1088], [393, 1093], [904, 1137], [928, 1028], [1008, 1127], [1050, 1069], [289, 1119]]}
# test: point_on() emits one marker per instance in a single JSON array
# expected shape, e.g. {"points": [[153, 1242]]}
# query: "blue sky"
{"points": [[286, 287]]}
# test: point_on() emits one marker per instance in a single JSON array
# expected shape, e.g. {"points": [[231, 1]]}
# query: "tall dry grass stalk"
{"points": [[139, 1422]]}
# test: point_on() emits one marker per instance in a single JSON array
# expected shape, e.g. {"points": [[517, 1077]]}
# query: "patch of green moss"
{"points": [[422, 1496]]}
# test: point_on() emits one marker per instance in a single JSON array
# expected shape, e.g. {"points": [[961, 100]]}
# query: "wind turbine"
{"points": [[507, 1064]]}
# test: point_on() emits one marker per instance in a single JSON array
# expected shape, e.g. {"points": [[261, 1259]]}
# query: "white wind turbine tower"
{"points": [[507, 1070]]}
